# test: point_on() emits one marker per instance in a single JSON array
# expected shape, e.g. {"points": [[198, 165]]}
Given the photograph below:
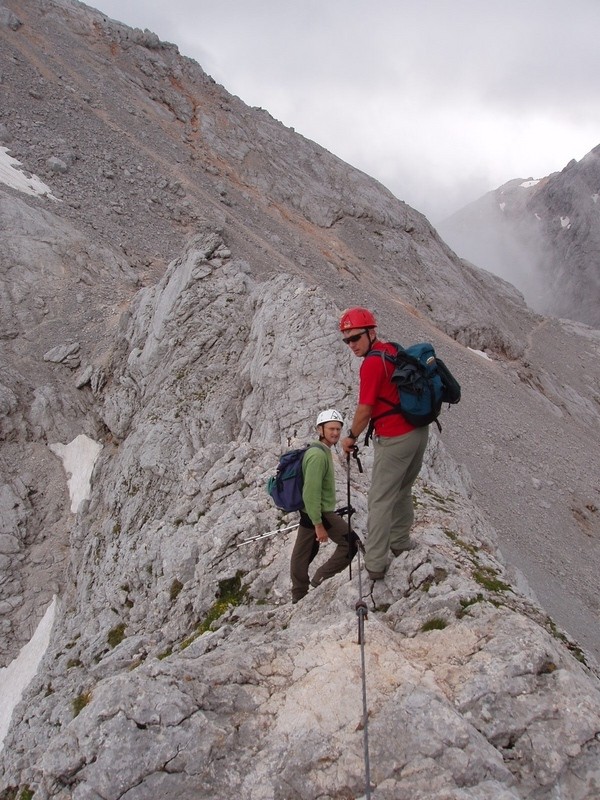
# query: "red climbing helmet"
{"points": [[357, 317]]}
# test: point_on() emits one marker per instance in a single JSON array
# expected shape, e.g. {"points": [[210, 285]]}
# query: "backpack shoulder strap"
{"points": [[320, 446], [317, 446], [394, 407], [384, 355]]}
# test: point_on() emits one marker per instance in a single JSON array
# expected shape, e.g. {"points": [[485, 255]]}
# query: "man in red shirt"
{"points": [[399, 446]]}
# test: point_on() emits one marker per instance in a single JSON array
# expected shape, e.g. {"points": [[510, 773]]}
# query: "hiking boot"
{"points": [[316, 582], [297, 597], [396, 551], [375, 576]]}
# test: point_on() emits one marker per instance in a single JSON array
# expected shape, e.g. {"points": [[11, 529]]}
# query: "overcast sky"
{"points": [[440, 100]]}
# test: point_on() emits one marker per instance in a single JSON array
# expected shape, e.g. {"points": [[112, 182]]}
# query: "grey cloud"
{"points": [[400, 88]]}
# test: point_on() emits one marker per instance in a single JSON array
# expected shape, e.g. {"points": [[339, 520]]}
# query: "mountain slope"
{"points": [[542, 235], [177, 303], [177, 665]]}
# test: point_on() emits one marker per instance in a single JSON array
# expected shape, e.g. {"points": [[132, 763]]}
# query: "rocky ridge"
{"points": [[176, 645], [194, 375]]}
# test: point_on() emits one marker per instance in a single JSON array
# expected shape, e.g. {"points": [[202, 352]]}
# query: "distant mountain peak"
{"points": [[541, 234]]}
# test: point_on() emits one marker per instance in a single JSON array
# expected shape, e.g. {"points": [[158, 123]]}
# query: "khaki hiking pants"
{"points": [[396, 466], [307, 547]]}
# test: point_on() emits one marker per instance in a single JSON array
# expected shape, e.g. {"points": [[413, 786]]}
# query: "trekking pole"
{"points": [[361, 613], [268, 533], [361, 606], [352, 538], [349, 515]]}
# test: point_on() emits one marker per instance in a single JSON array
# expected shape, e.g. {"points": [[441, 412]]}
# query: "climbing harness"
{"points": [[361, 613]]}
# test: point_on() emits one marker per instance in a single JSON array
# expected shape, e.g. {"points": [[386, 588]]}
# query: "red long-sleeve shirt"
{"points": [[375, 373]]}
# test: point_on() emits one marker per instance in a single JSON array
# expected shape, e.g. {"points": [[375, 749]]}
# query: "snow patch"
{"points": [[479, 353], [78, 459], [16, 179], [565, 222], [502, 206], [595, 197], [528, 184], [15, 678]]}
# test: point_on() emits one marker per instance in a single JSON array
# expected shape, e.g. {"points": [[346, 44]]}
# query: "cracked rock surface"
{"points": [[199, 254]]}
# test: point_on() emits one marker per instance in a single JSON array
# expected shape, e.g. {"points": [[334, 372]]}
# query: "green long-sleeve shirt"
{"points": [[318, 490]]}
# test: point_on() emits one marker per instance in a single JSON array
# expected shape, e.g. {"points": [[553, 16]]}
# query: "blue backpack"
{"points": [[285, 487], [423, 381]]}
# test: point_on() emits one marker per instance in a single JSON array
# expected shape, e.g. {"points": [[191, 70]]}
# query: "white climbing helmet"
{"points": [[329, 415]]}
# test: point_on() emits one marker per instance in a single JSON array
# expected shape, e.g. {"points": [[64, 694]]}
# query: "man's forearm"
{"points": [[361, 418]]}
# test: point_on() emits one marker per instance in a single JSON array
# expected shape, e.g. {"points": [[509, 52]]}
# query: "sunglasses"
{"points": [[354, 338]]}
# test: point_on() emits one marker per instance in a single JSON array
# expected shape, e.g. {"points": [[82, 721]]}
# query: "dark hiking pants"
{"points": [[306, 548]]}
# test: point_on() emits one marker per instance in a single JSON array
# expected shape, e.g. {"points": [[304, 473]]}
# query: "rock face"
{"points": [[168, 329], [542, 235], [176, 644]]}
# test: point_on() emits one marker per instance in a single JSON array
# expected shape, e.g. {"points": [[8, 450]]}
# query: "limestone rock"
{"points": [[199, 653], [202, 262], [67, 354], [9, 20]]}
